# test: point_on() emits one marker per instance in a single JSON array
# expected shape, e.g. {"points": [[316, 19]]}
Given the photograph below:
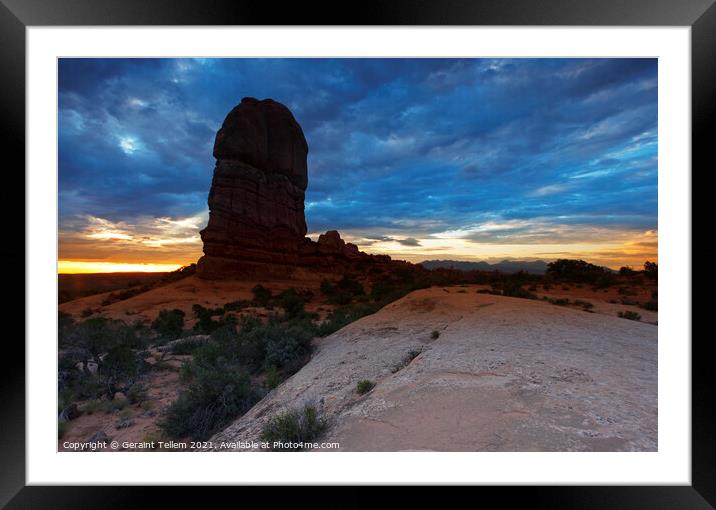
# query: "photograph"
{"points": [[383, 254]]}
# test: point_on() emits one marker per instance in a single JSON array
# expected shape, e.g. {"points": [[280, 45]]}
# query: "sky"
{"points": [[464, 159]]}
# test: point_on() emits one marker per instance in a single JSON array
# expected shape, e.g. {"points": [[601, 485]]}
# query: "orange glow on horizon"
{"points": [[80, 267]]}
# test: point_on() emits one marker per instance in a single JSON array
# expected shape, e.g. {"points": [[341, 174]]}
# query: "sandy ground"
{"points": [[505, 374], [183, 294], [162, 389]]}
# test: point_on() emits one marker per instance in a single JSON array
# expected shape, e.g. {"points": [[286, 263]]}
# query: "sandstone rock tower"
{"points": [[257, 226], [256, 202]]}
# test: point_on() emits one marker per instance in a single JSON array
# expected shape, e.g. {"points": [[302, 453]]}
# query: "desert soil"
{"points": [[183, 294], [505, 374], [162, 389]]}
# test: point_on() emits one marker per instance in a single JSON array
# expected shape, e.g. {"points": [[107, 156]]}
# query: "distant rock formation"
{"points": [[506, 266], [257, 225]]}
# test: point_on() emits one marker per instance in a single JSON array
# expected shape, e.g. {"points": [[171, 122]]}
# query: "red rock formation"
{"points": [[257, 193], [256, 224]]}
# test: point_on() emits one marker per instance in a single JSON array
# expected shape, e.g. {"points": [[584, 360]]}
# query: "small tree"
{"points": [[626, 271], [651, 270]]}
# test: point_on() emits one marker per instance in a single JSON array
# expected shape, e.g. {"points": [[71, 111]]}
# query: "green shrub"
{"points": [[558, 301], [584, 304], [406, 360], [364, 386], [62, 427], [344, 315], [289, 431], [652, 305], [262, 295], [628, 314], [216, 396], [235, 306], [292, 303], [136, 393], [205, 324], [343, 291], [273, 377], [435, 334], [169, 323], [65, 325]]}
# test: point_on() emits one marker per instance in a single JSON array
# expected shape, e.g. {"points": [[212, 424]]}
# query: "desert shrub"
{"points": [[97, 406], [169, 323], [273, 377], [558, 301], [344, 315], [215, 396], [136, 393], [118, 403], [343, 291], [112, 345], [406, 360], [575, 271], [86, 313], [292, 303], [289, 430], [387, 291], [628, 314], [286, 347], [65, 324], [262, 295], [154, 437], [652, 305], [62, 427], [364, 386], [205, 323], [626, 271], [435, 334], [124, 420], [235, 306], [512, 285], [604, 281], [257, 346], [584, 304], [625, 291]]}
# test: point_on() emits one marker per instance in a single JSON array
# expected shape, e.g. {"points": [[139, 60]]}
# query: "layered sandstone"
{"points": [[257, 225], [257, 192]]}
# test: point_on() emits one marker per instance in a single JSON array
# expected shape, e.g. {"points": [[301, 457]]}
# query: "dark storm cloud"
{"points": [[408, 147]]}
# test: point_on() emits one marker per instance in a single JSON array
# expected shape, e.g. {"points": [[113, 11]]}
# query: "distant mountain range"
{"points": [[506, 266]]}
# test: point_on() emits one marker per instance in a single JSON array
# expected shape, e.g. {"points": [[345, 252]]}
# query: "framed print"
{"points": [[427, 248]]}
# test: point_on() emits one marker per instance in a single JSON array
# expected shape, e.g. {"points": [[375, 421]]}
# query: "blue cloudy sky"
{"points": [[419, 158]]}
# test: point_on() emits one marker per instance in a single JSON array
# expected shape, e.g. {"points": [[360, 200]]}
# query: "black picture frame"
{"points": [[16, 15]]}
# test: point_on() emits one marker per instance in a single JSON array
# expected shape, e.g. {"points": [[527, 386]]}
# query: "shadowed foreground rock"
{"points": [[257, 226], [503, 374]]}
